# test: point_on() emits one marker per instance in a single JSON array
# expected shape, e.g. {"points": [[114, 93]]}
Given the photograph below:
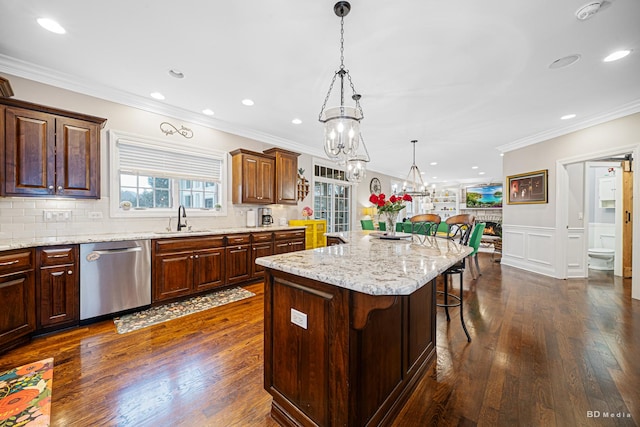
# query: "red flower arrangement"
{"points": [[392, 205]]}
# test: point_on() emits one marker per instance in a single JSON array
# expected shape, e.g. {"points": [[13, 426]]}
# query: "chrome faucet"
{"points": [[184, 215]]}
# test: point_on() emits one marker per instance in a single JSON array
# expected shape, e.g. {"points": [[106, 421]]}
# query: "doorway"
{"points": [[568, 246]]}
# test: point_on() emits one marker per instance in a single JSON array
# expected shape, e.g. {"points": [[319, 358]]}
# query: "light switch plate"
{"points": [[299, 318]]}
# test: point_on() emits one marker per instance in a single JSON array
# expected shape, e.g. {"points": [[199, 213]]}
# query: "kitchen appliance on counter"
{"points": [[265, 217], [114, 277]]}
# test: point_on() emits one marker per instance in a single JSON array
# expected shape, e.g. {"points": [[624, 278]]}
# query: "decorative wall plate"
{"points": [[375, 187]]}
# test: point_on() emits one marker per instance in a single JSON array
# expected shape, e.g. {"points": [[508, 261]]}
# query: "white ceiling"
{"points": [[461, 77]]}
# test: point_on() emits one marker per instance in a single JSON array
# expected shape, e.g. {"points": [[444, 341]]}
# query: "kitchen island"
{"points": [[350, 329]]}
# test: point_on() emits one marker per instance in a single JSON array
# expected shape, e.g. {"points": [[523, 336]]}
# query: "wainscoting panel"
{"points": [[576, 253], [530, 248]]}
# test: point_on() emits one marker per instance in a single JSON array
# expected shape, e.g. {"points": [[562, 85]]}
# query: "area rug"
{"points": [[175, 310], [25, 395]]}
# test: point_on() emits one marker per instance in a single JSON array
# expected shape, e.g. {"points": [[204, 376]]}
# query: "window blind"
{"points": [[145, 159]]}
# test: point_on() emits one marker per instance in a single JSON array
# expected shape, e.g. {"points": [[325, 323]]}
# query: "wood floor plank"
{"points": [[545, 352]]}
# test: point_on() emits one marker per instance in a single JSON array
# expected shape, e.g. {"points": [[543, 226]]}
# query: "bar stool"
{"points": [[425, 224], [459, 230]]}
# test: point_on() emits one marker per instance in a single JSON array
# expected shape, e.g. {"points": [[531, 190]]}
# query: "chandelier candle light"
{"points": [[342, 123], [390, 207]]}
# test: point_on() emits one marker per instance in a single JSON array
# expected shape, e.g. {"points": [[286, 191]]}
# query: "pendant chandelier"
{"points": [[414, 179], [342, 137]]}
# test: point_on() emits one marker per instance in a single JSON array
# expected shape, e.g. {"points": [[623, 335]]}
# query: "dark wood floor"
{"points": [[545, 352]]}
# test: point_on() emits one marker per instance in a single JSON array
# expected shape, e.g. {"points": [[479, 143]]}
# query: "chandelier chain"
{"points": [[342, 43]]}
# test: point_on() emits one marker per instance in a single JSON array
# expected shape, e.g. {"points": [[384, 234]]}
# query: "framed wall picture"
{"points": [[527, 188]]}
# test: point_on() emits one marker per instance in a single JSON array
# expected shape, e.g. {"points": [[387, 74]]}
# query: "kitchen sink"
{"points": [[182, 232]]}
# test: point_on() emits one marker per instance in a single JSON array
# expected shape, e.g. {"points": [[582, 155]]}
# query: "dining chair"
{"points": [[459, 231], [382, 226], [474, 242], [425, 224], [367, 224]]}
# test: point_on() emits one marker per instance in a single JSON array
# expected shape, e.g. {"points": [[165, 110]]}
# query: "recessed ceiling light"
{"points": [[421, 173], [617, 55], [247, 102], [567, 117], [433, 163], [564, 62], [474, 167], [176, 73], [434, 177], [588, 10], [51, 25], [501, 154], [296, 121], [480, 173], [208, 112], [157, 95]]}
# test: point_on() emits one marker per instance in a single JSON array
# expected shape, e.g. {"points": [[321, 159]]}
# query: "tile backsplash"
{"points": [[24, 218]]}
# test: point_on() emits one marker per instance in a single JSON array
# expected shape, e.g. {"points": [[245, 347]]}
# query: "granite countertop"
{"points": [[371, 265], [114, 237]]}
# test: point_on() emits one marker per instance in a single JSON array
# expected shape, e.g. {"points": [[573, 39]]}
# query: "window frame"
{"points": [[352, 198], [115, 211]]}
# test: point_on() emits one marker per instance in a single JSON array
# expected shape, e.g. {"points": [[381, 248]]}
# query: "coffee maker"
{"points": [[265, 217]]}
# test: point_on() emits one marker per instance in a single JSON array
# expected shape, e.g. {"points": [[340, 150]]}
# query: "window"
{"points": [[332, 198], [156, 176]]}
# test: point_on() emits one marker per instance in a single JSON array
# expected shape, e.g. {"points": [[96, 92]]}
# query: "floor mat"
{"points": [[174, 310], [25, 395]]}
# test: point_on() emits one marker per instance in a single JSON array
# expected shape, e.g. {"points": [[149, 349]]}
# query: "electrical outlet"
{"points": [[95, 215], [56, 215], [299, 318]]}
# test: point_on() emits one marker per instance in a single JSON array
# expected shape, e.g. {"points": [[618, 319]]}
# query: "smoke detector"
{"points": [[588, 10]]}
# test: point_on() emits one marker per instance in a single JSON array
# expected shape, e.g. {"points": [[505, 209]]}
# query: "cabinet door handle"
{"points": [[197, 256], [59, 188], [191, 257], [70, 272], [57, 256], [2, 264]]}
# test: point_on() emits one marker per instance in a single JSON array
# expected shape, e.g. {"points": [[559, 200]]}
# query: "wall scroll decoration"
{"points": [[170, 129]]}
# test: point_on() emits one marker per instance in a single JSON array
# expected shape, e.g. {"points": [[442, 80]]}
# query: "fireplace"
{"points": [[492, 228]]}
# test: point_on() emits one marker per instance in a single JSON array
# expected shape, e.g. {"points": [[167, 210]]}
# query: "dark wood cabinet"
{"points": [[184, 266], [261, 245], [58, 288], [334, 241], [238, 258], [17, 293], [253, 177], [289, 241], [286, 175], [48, 152]]}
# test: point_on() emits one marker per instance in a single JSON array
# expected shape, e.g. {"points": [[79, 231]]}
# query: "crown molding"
{"points": [[55, 78], [625, 110]]}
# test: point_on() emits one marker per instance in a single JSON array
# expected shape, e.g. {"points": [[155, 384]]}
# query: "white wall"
{"points": [[22, 218], [540, 237]]}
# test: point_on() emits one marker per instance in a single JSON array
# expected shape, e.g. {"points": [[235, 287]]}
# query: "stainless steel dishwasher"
{"points": [[114, 277]]}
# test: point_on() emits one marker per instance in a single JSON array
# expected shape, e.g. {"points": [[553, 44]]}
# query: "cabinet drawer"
{"points": [[238, 239], [16, 260], [262, 237], [293, 234], [189, 244], [57, 256]]}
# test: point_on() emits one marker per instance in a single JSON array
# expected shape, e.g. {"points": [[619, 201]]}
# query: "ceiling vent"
{"points": [[588, 10]]}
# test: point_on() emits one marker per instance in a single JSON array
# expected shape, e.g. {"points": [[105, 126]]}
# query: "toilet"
{"points": [[602, 258]]}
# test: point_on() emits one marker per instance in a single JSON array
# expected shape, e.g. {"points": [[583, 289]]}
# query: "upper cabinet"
{"points": [[48, 152], [253, 177], [286, 178], [265, 178]]}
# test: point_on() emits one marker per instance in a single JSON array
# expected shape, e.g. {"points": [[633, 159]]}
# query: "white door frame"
{"points": [[562, 208]]}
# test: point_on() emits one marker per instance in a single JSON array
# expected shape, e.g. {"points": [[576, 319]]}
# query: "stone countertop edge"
{"points": [[370, 265], [9, 244]]}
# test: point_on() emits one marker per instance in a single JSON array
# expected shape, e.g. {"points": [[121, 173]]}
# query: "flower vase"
{"points": [[390, 219]]}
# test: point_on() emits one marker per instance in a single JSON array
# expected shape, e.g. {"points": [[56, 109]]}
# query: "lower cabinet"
{"points": [[261, 245], [184, 266], [58, 287], [17, 293], [238, 258], [289, 241]]}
